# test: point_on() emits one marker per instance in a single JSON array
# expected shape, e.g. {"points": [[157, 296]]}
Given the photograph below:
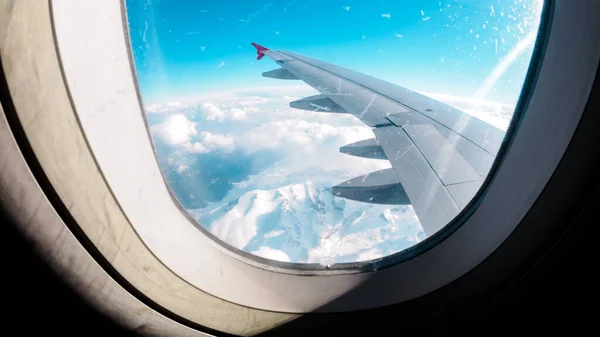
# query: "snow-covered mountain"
{"points": [[306, 223]]}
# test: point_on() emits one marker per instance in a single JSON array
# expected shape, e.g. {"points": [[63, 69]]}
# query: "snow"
{"points": [[308, 224]]}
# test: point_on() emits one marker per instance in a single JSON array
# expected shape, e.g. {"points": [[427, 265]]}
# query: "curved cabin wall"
{"points": [[42, 103]]}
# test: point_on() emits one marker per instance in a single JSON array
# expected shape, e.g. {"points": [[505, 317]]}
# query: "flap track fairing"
{"points": [[379, 187], [280, 74], [368, 148], [319, 103]]}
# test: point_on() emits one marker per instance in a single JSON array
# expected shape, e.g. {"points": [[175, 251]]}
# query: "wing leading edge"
{"points": [[439, 155]]}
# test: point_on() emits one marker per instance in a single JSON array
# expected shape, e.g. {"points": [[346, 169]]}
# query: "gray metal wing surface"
{"points": [[439, 154]]}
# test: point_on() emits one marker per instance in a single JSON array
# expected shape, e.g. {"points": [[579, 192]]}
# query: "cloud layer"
{"points": [[281, 208]]}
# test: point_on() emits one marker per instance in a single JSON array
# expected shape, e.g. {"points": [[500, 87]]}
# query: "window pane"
{"points": [[397, 143]]}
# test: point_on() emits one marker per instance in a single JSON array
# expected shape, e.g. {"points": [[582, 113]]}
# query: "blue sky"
{"points": [[186, 48]]}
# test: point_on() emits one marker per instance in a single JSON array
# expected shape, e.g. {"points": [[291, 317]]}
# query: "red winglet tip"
{"points": [[259, 50], [259, 47]]}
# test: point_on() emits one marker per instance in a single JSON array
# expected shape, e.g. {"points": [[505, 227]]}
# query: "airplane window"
{"points": [[328, 131]]}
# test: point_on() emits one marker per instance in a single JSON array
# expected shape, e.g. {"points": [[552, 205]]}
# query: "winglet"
{"points": [[259, 50]]}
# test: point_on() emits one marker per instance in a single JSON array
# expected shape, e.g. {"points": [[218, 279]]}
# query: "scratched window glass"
{"points": [[328, 131]]}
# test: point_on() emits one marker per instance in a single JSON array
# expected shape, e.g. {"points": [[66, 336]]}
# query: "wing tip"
{"points": [[259, 50]]}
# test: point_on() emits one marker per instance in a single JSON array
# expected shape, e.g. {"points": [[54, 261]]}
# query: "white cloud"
{"points": [[297, 135], [196, 147], [346, 8], [221, 64], [492, 112], [308, 144], [152, 108], [253, 100], [212, 112], [182, 168], [213, 141], [165, 107], [179, 132], [238, 114], [228, 111], [386, 15], [399, 36], [175, 130], [272, 254]]}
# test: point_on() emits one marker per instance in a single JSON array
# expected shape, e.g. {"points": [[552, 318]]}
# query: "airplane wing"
{"points": [[439, 155]]}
